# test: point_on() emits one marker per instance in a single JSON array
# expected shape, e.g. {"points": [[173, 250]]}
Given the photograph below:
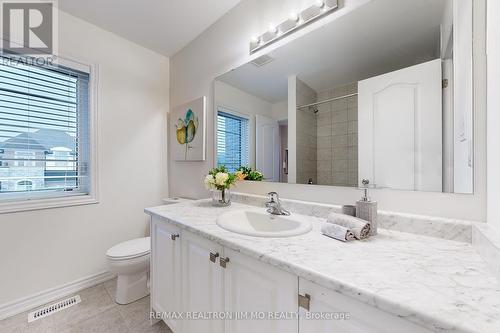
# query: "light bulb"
{"points": [[272, 28], [294, 16], [255, 39], [320, 3]]}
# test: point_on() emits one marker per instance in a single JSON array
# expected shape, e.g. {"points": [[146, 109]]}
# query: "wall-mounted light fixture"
{"points": [[295, 22]]}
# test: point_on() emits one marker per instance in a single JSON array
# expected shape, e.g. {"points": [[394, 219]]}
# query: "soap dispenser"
{"points": [[367, 209]]}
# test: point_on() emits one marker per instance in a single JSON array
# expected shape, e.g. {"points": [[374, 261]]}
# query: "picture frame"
{"points": [[188, 131]]}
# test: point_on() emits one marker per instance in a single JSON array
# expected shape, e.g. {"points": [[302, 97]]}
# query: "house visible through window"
{"points": [[232, 140], [44, 130], [24, 185], [24, 158]]}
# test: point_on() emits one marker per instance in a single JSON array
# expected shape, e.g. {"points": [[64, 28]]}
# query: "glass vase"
{"points": [[221, 198]]}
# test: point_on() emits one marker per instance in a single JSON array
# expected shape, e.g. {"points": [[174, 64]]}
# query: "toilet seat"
{"points": [[130, 262], [131, 249]]}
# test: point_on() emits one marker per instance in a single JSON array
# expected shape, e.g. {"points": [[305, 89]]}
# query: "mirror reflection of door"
{"points": [[267, 143], [400, 128]]}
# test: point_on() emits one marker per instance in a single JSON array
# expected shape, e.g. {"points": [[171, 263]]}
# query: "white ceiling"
{"points": [[379, 37], [164, 26]]}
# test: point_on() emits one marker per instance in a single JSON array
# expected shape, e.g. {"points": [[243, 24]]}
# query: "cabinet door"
{"points": [[165, 269], [202, 283], [342, 314], [252, 286]]}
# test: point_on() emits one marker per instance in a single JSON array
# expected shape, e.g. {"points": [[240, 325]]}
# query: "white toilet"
{"points": [[130, 262]]}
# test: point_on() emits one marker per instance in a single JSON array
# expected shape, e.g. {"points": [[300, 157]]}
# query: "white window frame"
{"points": [[49, 199], [26, 180]]}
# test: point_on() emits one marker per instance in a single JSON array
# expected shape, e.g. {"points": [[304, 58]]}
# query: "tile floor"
{"points": [[97, 313]]}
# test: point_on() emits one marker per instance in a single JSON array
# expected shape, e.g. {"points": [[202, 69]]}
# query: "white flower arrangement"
{"points": [[210, 182], [219, 179]]}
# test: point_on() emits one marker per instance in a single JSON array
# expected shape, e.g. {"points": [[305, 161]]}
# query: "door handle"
{"points": [[214, 256], [174, 237], [223, 262]]}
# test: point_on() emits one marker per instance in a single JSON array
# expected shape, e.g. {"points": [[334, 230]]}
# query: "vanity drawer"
{"points": [[332, 312]]}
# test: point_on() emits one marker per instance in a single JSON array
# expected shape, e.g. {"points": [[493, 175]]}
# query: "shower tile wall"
{"points": [[337, 130], [307, 139]]}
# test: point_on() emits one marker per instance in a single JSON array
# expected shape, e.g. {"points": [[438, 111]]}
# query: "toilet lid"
{"points": [[130, 249]]}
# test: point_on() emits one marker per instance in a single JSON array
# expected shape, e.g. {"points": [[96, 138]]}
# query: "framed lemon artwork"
{"points": [[188, 131]]}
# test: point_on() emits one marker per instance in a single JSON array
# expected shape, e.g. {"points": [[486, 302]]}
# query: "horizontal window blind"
{"points": [[232, 141], [44, 141]]}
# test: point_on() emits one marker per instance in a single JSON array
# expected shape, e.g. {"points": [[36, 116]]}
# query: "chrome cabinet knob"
{"points": [[223, 262], [213, 256]]}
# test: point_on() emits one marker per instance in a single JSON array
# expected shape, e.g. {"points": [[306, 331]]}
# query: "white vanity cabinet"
{"points": [[202, 282], [165, 278], [217, 279], [192, 274], [348, 315], [251, 286]]}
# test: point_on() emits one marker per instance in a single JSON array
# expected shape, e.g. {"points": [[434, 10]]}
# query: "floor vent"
{"points": [[53, 308]]}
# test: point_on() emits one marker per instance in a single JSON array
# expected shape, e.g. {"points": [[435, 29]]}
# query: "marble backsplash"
{"points": [[486, 241], [450, 229]]}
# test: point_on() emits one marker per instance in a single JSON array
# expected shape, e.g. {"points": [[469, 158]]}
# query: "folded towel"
{"points": [[349, 210], [360, 228], [336, 231]]}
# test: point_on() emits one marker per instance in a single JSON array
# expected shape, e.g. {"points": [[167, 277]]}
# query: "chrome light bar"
{"points": [[296, 21]]}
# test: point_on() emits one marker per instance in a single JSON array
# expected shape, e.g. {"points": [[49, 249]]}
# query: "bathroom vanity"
{"points": [[394, 282], [385, 91]]}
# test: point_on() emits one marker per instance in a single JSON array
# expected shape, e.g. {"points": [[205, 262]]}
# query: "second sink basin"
{"points": [[259, 223]]}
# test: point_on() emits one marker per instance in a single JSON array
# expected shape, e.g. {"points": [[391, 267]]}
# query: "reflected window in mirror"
{"points": [[232, 140]]}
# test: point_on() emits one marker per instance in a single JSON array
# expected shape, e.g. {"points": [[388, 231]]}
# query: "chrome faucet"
{"points": [[274, 205]]}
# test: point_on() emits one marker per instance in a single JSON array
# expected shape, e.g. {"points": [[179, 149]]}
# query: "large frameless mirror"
{"points": [[383, 92]]}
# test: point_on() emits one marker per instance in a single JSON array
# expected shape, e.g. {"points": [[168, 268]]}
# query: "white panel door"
{"points": [[251, 286], [165, 278], [202, 289], [341, 314], [400, 128], [267, 150]]}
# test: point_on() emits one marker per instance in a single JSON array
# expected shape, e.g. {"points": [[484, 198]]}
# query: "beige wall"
{"points": [[48, 248]]}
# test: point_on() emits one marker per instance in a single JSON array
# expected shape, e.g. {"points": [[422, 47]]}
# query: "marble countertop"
{"points": [[442, 285]]}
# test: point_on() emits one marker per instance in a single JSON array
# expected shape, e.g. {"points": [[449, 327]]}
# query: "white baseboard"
{"points": [[30, 302]]}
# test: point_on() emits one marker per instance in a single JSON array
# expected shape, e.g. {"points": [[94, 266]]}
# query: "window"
{"points": [[24, 158], [232, 141], [44, 131], [24, 185]]}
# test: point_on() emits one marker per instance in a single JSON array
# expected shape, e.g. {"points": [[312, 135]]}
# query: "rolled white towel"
{"points": [[337, 231], [360, 228]]}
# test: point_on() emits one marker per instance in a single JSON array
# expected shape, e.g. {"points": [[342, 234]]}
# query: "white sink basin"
{"points": [[259, 223]]}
